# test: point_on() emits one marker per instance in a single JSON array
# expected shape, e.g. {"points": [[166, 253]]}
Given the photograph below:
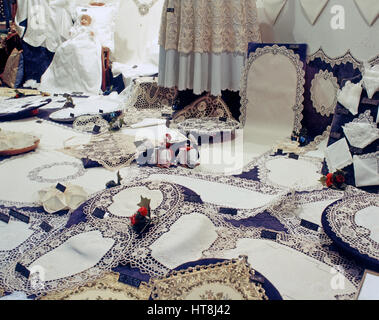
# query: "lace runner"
{"points": [[112, 150], [205, 26]]}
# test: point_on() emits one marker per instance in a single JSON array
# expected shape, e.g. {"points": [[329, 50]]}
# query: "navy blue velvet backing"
{"points": [[344, 248], [314, 122], [36, 61], [261, 220], [339, 120]]}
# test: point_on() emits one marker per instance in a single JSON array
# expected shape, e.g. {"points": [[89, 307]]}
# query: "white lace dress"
{"points": [[203, 44]]}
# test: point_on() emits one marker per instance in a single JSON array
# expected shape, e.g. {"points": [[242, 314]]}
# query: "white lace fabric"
{"points": [[350, 96], [343, 222], [205, 26], [361, 132], [112, 150], [338, 155], [366, 169]]}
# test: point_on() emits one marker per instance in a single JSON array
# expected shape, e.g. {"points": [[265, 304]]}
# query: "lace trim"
{"points": [[112, 150], [13, 281], [341, 219], [324, 110], [344, 59], [204, 107], [295, 59], [99, 290], [370, 156], [374, 61], [365, 117], [316, 141], [234, 274], [209, 26]]}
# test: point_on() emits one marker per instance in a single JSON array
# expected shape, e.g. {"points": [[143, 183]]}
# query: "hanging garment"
{"points": [[203, 43], [76, 66]]}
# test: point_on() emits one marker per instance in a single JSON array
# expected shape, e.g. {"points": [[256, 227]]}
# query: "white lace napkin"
{"points": [[350, 96], [371, 80], [338, 155], [366, 170], [54, 200], [361, 134]]}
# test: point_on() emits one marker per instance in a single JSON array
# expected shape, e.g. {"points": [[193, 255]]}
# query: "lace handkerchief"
{"points": [[361, 132], [366, 169], [338, 155], [371, 80], [350, 96]]}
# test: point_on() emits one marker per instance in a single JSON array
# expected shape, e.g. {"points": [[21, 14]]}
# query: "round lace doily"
{"points": [[209, 127], [350, 223]]}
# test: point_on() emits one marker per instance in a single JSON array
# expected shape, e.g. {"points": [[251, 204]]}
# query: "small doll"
{"points": [[165, 154], [189, 155]]}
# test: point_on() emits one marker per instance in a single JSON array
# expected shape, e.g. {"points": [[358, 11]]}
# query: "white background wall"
{"points": [[293, 26]]}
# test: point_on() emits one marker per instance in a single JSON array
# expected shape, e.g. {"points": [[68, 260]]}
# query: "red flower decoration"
{"points": [[143, 211], [340, 178], [34, 112], [133, 220], [329, 180]]}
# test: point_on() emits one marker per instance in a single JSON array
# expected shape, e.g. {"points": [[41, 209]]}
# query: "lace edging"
{"points": [[298, 64]]}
